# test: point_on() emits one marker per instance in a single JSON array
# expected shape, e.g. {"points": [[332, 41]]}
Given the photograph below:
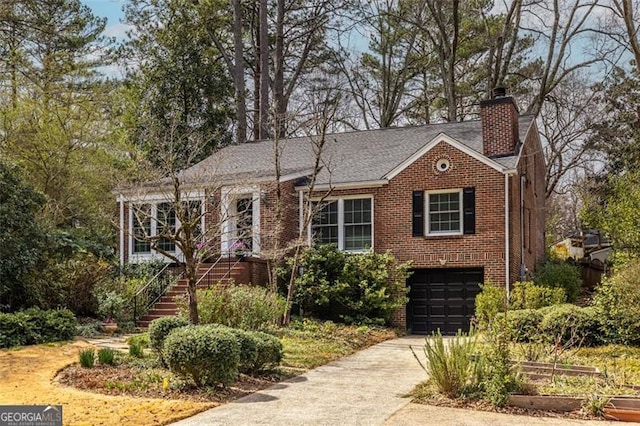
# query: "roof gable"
{"points": [[443, 137]]}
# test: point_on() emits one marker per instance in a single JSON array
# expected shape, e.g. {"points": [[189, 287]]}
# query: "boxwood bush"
{"points": [[571, 325], [270, 351], [524, 325], [208, 355], [33, 326], [159, 329]]}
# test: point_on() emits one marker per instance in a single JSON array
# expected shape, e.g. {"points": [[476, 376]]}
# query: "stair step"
{"points": [[163, 312], [165, 305]]}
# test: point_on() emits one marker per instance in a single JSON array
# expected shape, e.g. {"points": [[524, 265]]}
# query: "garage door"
{"points": [[442, 299]]}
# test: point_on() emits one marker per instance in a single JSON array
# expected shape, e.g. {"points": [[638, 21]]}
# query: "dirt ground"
{"points": [[27, 377]]}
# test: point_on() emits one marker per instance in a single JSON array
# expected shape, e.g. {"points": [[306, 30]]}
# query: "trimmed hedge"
{"points": [[524, 325], [270, 351], [566, 324], [571, 325], [209, 355], [160, 328], [34, 326]]}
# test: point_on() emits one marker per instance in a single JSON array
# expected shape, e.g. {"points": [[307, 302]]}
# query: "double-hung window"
{"points": [[346, 222], [444, 212], [158, 221], [141, 218]]}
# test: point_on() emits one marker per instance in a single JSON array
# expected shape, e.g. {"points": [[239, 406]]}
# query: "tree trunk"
{"points": [[193, 301], [238, 74], [278, 80], [264, 72]]}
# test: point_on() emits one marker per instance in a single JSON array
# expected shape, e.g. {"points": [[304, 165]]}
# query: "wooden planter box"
{"points": [[544, 370], [558, 403]]}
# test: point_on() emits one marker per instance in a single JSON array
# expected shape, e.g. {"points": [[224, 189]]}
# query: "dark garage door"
{"points": [[442, 299]]}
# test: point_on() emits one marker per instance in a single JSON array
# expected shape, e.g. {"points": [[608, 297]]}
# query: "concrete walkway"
{"points": [[366, 388], [362, 389]]}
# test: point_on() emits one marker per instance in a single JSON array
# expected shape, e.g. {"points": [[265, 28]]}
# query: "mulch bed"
{"points": [[128, 380]]}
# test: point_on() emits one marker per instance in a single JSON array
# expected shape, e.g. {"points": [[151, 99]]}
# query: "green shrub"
{"points": [[523, 325], [106, 356], [87, 358], [527, 295], [209, 355], [270, 351], [12, 330], [352, 288], [491, 300], [248, 349], [33, 326], [499, 378], [238, 306], [111, 305], [136, 350], [88, 330], [160, 328], [453, 367], [563, 275], [617, 303], [571, 325]]}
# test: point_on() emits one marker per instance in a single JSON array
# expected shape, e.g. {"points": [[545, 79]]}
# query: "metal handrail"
{"points": [[139, 291], [152, 291], [206, 274]]}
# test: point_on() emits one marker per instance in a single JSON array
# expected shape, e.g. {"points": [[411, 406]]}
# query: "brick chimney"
{"points": [[499, 117]]}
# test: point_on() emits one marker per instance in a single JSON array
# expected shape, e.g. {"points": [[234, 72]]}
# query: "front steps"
{"points": [[223, 273]]}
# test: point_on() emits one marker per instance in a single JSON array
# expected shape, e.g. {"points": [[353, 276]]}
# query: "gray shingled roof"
{"points": [[351, 157]]}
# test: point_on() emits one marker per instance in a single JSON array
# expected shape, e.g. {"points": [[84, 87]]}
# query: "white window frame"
{"points": [[228, 212], [428, 216], [340, 201], [153, 203]]}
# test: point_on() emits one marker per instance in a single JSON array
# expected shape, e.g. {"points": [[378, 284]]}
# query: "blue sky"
{"points": [[112, 10]]}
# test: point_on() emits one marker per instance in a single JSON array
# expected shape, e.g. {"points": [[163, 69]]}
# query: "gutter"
{"points": [[345, 185]]}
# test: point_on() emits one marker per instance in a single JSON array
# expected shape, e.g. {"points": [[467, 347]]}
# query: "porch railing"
{"points": [[149, 294], [207, 280]]}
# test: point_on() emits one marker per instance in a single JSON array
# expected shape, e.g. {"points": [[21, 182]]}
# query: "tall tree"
{"points": [[178, 73], [56, 126]]}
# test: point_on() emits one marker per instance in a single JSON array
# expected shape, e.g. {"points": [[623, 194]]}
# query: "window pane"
{"points": [[357, 224], [444, 212], [141, 228], [166, 225], [244, 222], [324, 227]]}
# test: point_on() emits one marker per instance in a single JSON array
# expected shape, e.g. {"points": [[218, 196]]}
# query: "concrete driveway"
{"points": [[366, 388]]}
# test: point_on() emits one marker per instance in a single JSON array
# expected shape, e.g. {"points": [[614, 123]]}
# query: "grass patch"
{"points": [[309, 344]]}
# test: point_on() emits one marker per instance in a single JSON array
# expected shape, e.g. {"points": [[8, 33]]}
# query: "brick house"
{"points": [[464, 201]]}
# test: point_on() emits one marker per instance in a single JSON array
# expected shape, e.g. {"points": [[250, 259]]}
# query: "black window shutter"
{"points": [[418, 213], [469, 207]]}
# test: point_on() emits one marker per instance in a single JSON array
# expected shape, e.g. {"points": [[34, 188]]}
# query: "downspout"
{"points": [[300, 213], [523, 268], [506, 233], [121, 201]]}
